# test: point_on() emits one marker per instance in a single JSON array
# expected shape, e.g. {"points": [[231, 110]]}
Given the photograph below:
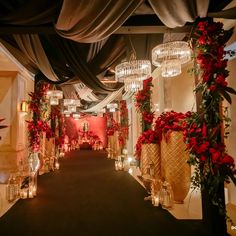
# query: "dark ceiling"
{"points": [[38, 17]]}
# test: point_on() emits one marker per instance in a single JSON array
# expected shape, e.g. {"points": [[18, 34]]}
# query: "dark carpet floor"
{"points": [[88, 197]]}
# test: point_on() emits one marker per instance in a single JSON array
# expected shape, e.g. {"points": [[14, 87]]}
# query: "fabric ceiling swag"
{"points": [[18, 54], [109, 98], [89, 21], [112, 52], [95, 48], [33, 50], [29, 12], [226, 14], [80, 68], [69, 92], [176, 13], [85, 93]]}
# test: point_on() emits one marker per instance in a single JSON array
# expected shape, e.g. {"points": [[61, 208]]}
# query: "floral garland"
{"points": [[143, 105], [213, 166], [124, 124], [57, 125], [37, 125], [112, 125]]}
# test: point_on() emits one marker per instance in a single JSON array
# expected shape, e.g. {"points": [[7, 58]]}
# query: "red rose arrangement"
{"points": [[124, 124], [90, 136], [170, 121], [57, 125], [112, 125], [149, 136], [143, 104], [203, 133]]}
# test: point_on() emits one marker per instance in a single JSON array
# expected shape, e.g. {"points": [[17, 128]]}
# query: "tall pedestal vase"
{"points": [[175, 168], [150, 162]]}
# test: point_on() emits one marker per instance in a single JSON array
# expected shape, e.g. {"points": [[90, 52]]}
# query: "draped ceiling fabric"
{"points": [[33, 50], [95, 48], [85, 93], [91, 21], [69, 92], [176, 13], [82, 45], [80, 68], [111, 97]]}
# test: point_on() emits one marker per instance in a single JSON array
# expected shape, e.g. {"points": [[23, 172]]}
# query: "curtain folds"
{"points": [[176, 13], [85, 93], [112, 51], [90, 21], [29, 12], [80, 68], [19, 55], [31, 46], [109, 98]]}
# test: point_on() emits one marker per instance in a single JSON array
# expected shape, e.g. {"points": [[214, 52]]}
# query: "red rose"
{"points": [[212, 87]]}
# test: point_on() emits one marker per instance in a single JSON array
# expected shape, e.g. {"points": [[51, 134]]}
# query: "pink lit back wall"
{"points": [[95, 124]]}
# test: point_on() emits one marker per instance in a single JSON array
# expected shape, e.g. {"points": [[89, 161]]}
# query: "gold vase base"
{"points": [[178, 201]]}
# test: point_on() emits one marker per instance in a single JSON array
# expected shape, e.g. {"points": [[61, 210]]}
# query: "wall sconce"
{"points": [[24, 106]]}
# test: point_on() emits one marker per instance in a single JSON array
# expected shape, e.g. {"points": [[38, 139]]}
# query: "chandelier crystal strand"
{"points": [[76, 116], [133, 86], [132, 74], [170, 56], [112, 107], [170, 68], [68, 102], [54, 96]]}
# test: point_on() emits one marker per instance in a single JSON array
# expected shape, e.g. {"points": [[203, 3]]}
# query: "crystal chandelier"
{"points": [[71, 104], [133, 86], [170, 56], [71, 108], [76, 116], [68, 102], [54, 96], [112, 107], [67, 113], [132, 74]]}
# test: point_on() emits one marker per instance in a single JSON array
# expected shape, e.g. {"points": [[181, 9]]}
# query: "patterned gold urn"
{"points": [[150, 162], [175, 168]]}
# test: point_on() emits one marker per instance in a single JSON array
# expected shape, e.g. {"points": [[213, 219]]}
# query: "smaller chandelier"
{"points": [[112, 107], [67, 113], [133, 86], [132, 73], [76, 103], [170, 56], [68, 102], [170, 68], [71, 108], [76, 116], [54, 96]]}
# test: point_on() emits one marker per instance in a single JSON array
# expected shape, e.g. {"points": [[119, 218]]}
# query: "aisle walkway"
{"points": [[88, 197]]}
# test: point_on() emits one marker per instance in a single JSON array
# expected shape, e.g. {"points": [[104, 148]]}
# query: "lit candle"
{"points": [[156, 201], [34, 191], [125, 151], [120, 165], [116, 165], [31, 193], [57, 165], [130, 171], [24, 193]]}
